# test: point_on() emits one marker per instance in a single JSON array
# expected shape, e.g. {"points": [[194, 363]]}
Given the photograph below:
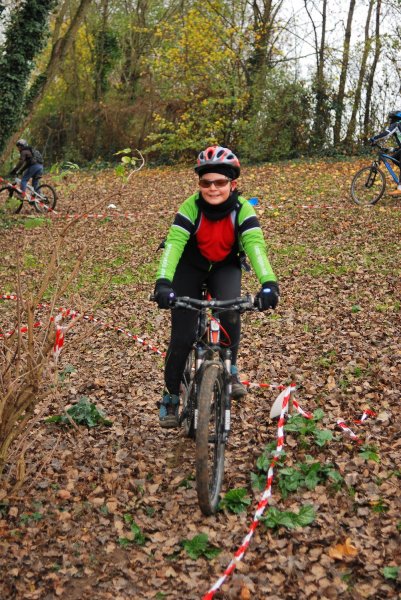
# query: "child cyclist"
{"points": [[209, 231], [393, 129]]}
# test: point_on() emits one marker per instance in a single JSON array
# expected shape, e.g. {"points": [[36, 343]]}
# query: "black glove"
{"points": [[12, 173], [268, 296], [164, 293]]}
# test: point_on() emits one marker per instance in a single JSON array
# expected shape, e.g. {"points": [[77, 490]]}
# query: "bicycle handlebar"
{"points": [[244, 303], [381, 148]]}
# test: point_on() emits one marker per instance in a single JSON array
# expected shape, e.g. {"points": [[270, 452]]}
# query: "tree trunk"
{"points": [[25, 37], [339, 106], [100, 53], [43, 81], [322, 115], [349, 138], [369, 87]]}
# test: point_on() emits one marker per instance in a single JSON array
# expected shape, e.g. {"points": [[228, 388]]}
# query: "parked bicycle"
{"points": [[12, 197], [206, 393], [369, 183]]}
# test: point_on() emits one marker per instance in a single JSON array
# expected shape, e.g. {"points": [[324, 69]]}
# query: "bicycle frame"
{"points": [[206, 346], [384, 158]]}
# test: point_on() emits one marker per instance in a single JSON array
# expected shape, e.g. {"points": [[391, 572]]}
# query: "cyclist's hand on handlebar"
{"points": [[268, 296], [164, 293]]}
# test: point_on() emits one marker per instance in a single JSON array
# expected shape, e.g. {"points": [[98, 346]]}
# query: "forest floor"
{"points": [[104, 511]]}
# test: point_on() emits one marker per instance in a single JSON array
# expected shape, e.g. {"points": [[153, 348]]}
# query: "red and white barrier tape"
{"points": [[59, 341], [274, 386], [67, 312], [264, 500], [366, 413], [348, 431], [325, 206]]}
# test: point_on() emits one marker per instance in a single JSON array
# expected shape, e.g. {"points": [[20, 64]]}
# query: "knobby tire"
{"points": [[50, 198], [368, 186], [210, 444]]}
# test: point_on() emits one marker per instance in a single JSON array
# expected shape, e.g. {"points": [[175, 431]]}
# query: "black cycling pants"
{"points": [[224, 283]]}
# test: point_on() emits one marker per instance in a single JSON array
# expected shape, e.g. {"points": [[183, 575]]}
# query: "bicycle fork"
{"points": [[224, 362]]}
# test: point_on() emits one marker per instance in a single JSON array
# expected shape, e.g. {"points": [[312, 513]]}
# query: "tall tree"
{"points": [[43, 80], [371, 74], [25, 37], [349, 138], [339, 102], [320, 86]]}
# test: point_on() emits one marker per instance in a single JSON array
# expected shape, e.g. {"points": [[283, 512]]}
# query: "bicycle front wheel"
{"points": [[47, 196], [10, 202], [368, 186], [210, 438]]}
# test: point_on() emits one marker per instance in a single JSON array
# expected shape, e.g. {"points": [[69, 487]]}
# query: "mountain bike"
{"points": [[205, 393], [369, 183], [12, 198]]}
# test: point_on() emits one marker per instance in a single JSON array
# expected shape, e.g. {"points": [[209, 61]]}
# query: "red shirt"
{"points": [[215, 238]]}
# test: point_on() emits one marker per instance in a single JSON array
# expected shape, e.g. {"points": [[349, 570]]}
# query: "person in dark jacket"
{"points": [[210, 230], [27, 165], [393, 129]]}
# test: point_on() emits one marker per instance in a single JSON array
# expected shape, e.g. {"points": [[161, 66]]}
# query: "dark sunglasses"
{"points": [[218, 183]]}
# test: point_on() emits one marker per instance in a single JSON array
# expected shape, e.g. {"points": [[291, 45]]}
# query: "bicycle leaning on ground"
{"points": [[206, 393], [12, 198], [369, 183]]}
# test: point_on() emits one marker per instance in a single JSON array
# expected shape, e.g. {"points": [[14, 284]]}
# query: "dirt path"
{"points": [[337, 328]]}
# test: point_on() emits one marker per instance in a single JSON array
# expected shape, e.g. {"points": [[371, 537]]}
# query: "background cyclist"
{"points": [[28, 165], [209, 230], [393, 129]]}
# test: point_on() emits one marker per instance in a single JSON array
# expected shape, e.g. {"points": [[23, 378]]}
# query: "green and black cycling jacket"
{"points": [[181, 241]]}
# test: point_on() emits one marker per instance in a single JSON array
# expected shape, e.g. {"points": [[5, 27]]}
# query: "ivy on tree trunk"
{"points": [[25, 37]]}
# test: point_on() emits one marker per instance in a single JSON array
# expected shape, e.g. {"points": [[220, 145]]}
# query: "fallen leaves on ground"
{"points": [[337, 331]]}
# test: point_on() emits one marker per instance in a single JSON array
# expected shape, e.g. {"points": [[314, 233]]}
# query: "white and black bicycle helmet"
{"points": [[22, 143], [394, 116], [216, 157]]}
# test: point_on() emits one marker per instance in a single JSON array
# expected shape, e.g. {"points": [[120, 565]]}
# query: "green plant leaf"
{"points": [[369, 452], [125, 151], [318, 414], [199, 546], [34, 222], [306, 515], [276, 518], [322, 436], [235, 500], [258, 481], [83, 413], [391, 572]]}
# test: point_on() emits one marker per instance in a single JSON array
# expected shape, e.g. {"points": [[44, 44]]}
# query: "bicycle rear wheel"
{"points": [[368, 185], [187, 396], [210, 438], [10, 202], [47, 196]]}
